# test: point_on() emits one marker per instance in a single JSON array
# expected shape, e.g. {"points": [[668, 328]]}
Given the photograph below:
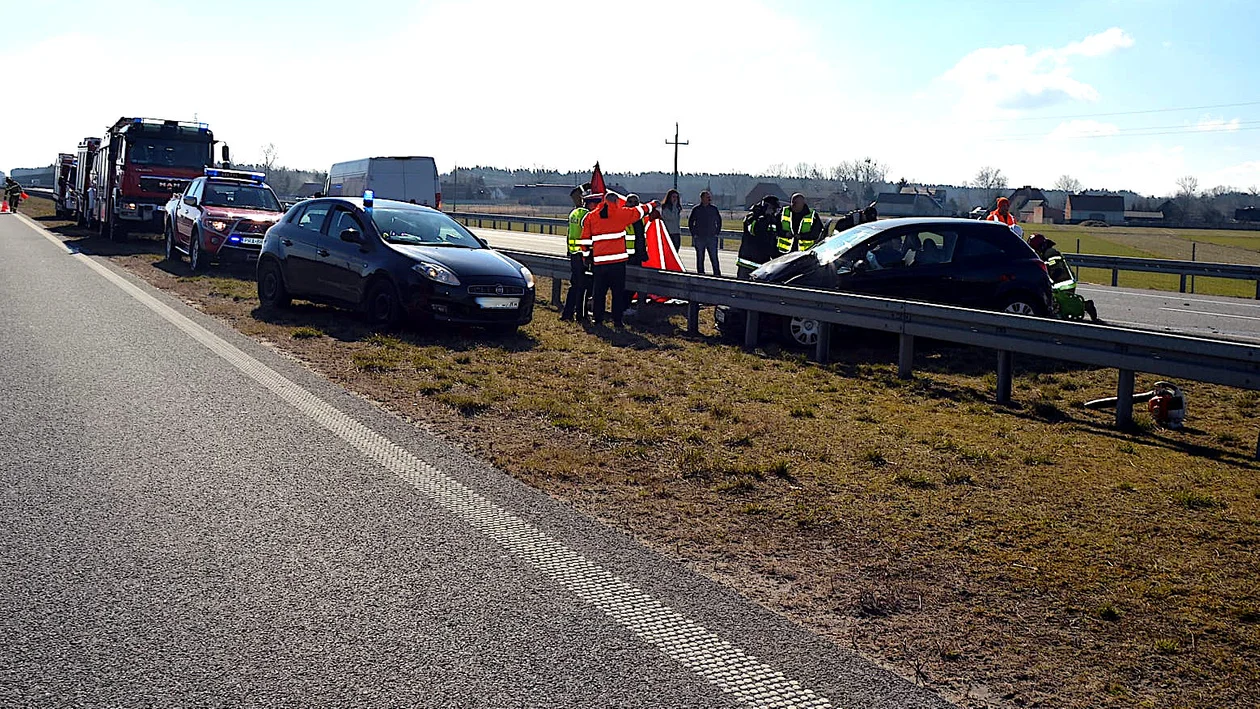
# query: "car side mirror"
{"points": [[190, 201], [352, 236]]}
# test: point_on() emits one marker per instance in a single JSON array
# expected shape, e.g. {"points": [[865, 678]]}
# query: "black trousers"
{"points": [[610, 277], [578, 286]]}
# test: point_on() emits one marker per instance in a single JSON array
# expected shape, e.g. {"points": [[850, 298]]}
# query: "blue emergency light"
{"points": [[368, 198], [258, 177]]}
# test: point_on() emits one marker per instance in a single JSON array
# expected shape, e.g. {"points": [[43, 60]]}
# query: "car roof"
{"points": [[358, 202], [932, 221]]}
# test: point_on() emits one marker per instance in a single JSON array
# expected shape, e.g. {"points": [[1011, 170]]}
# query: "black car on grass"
{"points": [[391, 260], [963, 262]]}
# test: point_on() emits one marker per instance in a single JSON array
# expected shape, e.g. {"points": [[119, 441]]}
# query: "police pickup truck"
{"points": [[221, 216]]}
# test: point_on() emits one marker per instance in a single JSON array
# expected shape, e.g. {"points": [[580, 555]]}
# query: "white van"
{"points": [[406, 179]]}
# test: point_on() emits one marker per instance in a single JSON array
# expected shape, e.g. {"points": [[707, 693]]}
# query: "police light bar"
{"points": [[258, 177], [368, 198]]}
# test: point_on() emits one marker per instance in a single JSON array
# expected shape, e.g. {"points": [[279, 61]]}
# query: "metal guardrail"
{"points": [[1170, 266], [1129, 351], [1115, 264]]}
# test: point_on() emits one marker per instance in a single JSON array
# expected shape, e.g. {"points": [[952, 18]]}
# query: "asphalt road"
{"points": [[1161, 311], [190, 519]]}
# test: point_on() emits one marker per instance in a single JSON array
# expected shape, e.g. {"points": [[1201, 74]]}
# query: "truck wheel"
{"points": [[196, 259]]}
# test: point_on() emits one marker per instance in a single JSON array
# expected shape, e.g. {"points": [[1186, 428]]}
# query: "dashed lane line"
{"points": [[718, 661]]}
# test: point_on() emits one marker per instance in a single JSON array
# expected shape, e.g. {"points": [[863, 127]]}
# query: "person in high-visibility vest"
{"points": [[12, 193], [605, 228], [761, 236], [799, 227], [1003, 212], [579, 253]]}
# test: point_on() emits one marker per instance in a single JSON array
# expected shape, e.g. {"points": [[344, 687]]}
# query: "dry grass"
{"points": [[1029, 552]]}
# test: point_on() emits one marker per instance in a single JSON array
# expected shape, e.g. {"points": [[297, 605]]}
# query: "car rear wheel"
{"points": [[271, 290], [801, 332], [382, 305], [172, 253], [196, 259]]}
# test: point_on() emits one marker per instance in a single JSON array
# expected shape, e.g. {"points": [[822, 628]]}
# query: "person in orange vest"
{"points": [[1003, 212], [605, 229]]}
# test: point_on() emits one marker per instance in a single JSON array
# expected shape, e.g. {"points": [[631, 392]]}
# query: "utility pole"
{"points": [[675, 143]]}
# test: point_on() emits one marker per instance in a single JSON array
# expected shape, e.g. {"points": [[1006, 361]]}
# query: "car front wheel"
{"points": [[196, 259], [172, 254], [801, 332], [382, 304], [1022, 305]]}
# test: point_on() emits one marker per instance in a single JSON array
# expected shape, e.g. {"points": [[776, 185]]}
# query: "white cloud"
{"points": [[1013, 78], [1207, 124]]}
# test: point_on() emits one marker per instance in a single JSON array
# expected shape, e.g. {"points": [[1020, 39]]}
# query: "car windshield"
{"points": [[168, 153], [218, 194], [838, 244], [418, 226]]}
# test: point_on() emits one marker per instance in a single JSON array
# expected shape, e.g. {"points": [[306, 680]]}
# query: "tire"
{"points": [[382, 305], [272, 292], [172, 253], [801, 332], [197, 261], [1022, 304]]}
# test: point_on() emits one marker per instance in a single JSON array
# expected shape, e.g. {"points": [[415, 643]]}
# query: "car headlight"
{"points": [[218, 225], [529, 277], [436, 272]]}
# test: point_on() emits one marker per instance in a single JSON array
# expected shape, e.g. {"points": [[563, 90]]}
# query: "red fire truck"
{"points": [[81, 187], [140, 164]]}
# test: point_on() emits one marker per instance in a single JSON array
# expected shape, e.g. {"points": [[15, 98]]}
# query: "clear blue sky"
{"points": [[934, 89]]}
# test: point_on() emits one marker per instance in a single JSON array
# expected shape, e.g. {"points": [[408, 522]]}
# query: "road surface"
{"points": [[192, 520], [1179, 313]]}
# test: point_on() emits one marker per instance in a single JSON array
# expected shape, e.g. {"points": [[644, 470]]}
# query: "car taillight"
{"points": [[438, 198], [1044, 268]]}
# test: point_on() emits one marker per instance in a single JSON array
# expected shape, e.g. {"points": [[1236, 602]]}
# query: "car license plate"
{"points": [[499, 303], [251, 241]]}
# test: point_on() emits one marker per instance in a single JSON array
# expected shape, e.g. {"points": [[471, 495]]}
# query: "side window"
{"points": [[313, 217], [194, 189], [343, 219], [933, 247], [978, 246]]}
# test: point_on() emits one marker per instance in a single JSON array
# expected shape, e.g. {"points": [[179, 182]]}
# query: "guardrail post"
{"points": [[1005, 377], [555, 292], [1257, 290], [823, 349], [752, 327], [905, 357], [1115, 277], [693, 318], [1183, 283], [1124, 399]]}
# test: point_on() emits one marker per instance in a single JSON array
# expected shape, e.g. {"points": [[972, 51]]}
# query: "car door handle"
{"points": [[287, 242], [322, 252]]}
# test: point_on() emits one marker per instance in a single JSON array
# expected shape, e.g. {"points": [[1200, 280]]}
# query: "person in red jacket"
{"points": [[1003, 212], [605, 229]]}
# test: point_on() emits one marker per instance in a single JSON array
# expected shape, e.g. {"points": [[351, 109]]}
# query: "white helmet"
{"points": [[1019, 231]]}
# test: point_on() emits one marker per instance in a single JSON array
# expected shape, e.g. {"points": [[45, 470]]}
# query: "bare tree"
{"points": [[1254, 191], [269, 157], [1188, 186], [1068, 184], [1219, 191], [990, 181]]}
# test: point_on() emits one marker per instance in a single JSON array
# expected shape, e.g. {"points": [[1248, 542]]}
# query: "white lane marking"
{"points": [[1243, 302], [719, 662], [1204, 312]]}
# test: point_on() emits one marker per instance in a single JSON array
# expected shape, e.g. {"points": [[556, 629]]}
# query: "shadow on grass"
{"points": [[90, 242], [1162, 439]]}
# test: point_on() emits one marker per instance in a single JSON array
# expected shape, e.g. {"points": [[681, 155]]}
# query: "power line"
{"points": [[1123, 113], [1225, 127], [1197, 131]]}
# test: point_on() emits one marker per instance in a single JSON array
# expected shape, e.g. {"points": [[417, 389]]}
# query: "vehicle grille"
{"points": [[245, 227], [168, 185], [496, 290]]}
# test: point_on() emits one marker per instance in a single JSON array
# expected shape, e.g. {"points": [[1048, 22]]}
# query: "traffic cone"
{"points": [[4, 207]]}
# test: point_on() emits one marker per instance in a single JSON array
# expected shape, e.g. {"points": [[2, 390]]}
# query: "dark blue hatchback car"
{"points": [[391, 260]]}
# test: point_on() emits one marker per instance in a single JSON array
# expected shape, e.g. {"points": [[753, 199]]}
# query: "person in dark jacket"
{"points": [[705, 224], [12, 193], [857, 216], [761, 235], [638, 255]]}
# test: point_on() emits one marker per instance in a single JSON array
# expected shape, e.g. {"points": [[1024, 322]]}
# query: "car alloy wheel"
{"points": [[271, 290], [171, 253], [804, 331], [1019, 307], [194, 253], [382, 304]]}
